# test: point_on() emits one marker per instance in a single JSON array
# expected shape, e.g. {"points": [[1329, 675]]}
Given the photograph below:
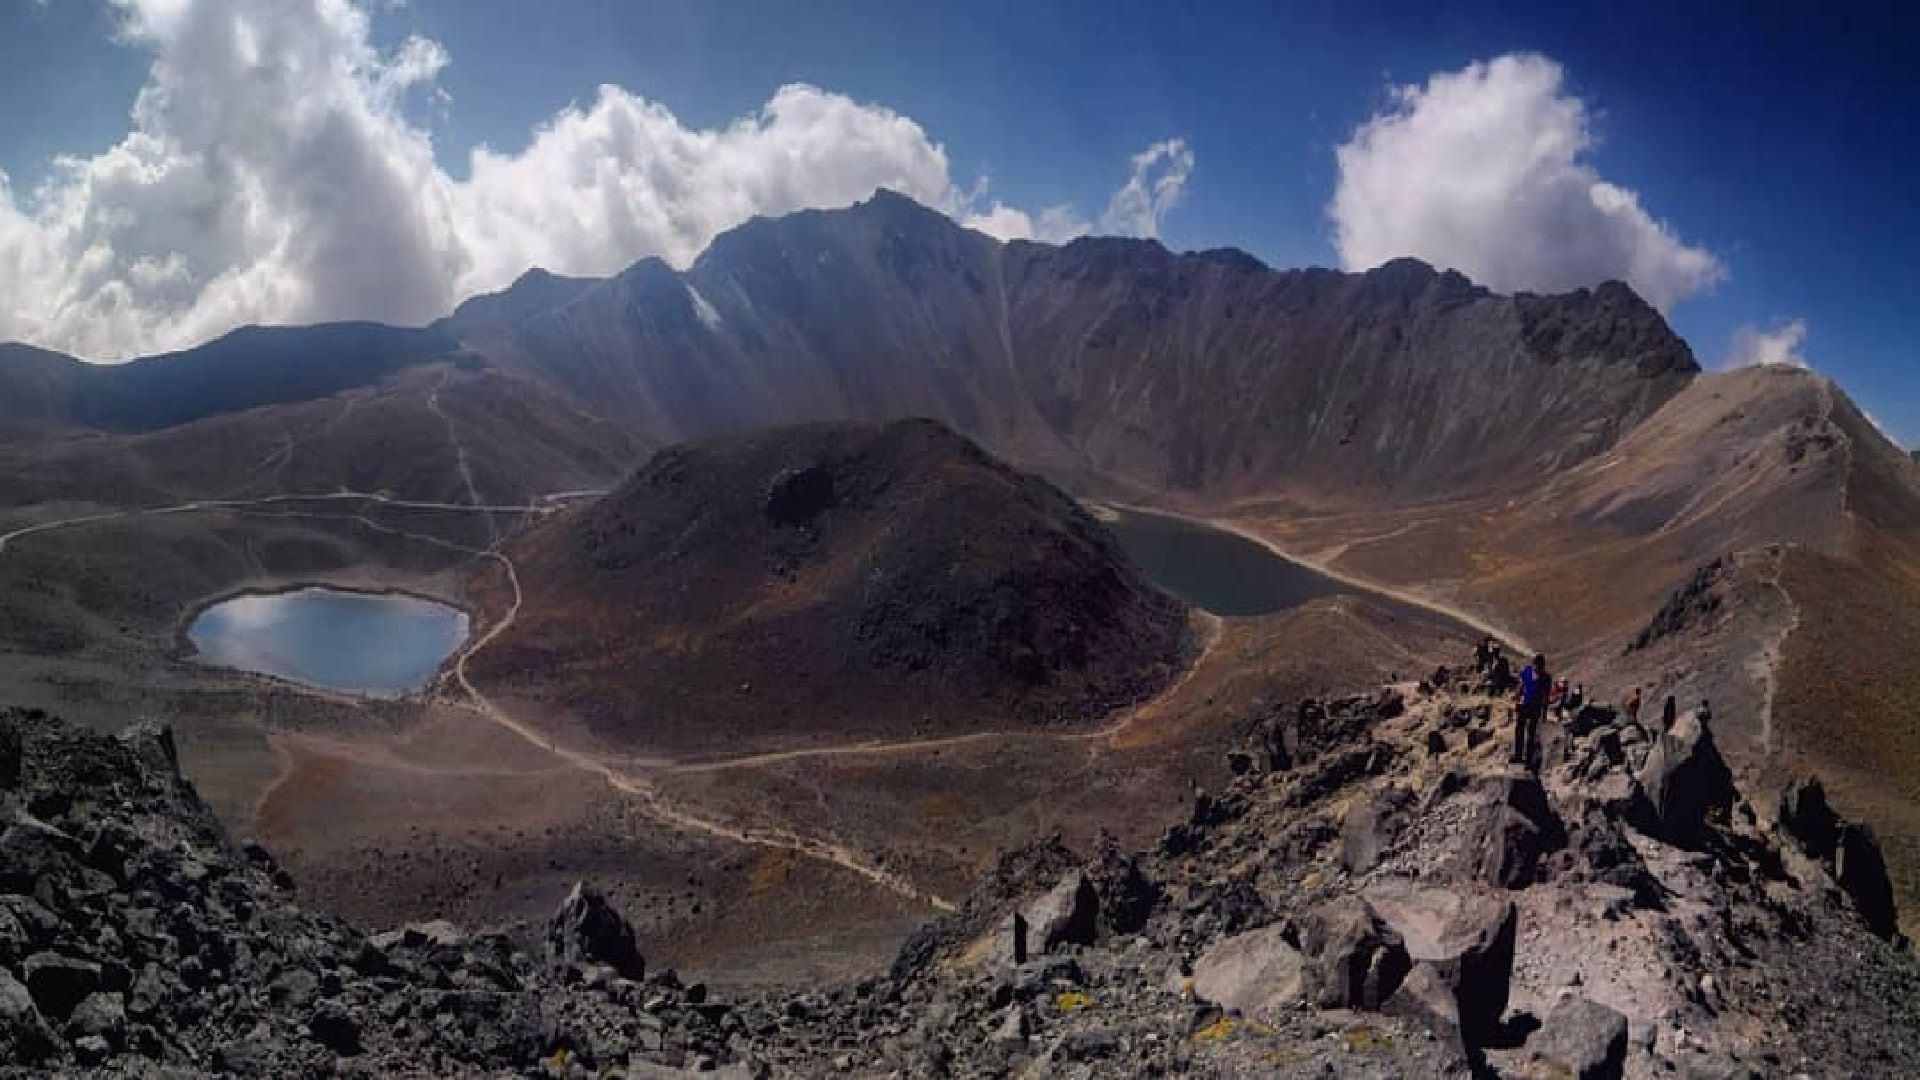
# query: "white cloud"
{"points": [[271, 174], [1486, 170], [1779, 345], [1157, 180]]}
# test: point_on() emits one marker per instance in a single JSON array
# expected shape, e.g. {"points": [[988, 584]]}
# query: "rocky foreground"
{"points": [[1377, 893]]}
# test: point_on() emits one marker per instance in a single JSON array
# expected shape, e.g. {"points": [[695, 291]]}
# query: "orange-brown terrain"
{"points": [[781, 762]]}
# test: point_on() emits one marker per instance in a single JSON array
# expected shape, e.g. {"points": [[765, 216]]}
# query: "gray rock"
{"points": [[1513, 832], [1805, 816], [12, 753], [1069, 914], [59, 983], [1014, 1028], [152, 745], [586, 929], [1367, 831], [1256, 973], [1586, 1039], [24, 1035], [334, 1028], [102, 1014], [92, 1050], [1862, 872], [1466, 941], [1427, 999], [1354, 959], [1686, 782]]}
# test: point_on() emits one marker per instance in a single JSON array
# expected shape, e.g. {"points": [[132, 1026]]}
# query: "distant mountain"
{"points": [[246, 369], [841, 580], [1106, 358]]}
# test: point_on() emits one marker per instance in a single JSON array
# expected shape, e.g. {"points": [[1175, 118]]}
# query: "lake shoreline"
{"points": [[190, 651]]}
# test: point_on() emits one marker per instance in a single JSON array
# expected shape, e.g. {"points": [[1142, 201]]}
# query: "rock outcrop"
{"points": [[135, 937], [1686, 781], [1848, 849]]}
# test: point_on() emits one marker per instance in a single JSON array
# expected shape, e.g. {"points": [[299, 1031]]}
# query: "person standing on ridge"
{"points": [[1532, 705], [1633, 706]]}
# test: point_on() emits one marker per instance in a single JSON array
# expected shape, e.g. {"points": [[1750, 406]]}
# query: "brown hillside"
{"points": [[844, 581]]}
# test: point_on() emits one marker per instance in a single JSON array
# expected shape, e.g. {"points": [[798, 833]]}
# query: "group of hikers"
{"points": [[1537, 692]]}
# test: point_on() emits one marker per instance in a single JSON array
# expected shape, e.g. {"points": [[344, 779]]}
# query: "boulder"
{"points": [[1465, 939], [1582, 1039], [102, 1014], [32, 852], [1426, 999], [1686, 781], [25, 1038], [59, 983], [1513, 832], [1127, 896], [1256, 973], [1862, 873], [1805, 816], [12, 753], [1590, 718], [587, 930], [1367, 832], [1069, 914], [1354, 960], [152, 746], [334, 1028]]}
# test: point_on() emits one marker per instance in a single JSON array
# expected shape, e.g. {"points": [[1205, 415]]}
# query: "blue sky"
{"points": [[1782, 144]]}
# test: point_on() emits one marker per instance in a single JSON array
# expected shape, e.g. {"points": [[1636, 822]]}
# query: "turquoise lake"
{"points": [[377, 644]]}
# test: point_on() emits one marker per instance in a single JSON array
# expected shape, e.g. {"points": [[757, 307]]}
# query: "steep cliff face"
{"points": [[1205, 373]]}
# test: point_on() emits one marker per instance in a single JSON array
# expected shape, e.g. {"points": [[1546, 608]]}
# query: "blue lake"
{"points": [[1219, 571], [378, 644]]}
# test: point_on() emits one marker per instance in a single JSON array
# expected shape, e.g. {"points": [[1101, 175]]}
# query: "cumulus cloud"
{"points": [[1486, 170], [1779, 345], [272, 173], [1155, 183]]}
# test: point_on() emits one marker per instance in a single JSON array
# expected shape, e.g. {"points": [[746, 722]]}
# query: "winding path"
{"points": [[638, 787], [876, 747]]}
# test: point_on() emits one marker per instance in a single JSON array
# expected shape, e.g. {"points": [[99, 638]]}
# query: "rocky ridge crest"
{"points": [[1378, 891]]}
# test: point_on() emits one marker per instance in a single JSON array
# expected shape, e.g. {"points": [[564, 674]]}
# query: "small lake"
{"points": [[378, 644], [1216, 570]]}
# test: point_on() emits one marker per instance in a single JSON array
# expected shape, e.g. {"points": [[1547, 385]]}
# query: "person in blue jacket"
{"points": [[1530, 709]]}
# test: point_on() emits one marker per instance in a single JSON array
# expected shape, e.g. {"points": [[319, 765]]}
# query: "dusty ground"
{"points": [[768, 869]]}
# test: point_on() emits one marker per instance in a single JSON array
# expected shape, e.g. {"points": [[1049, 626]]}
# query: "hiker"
{"points": [[1575, 701], [1633, 706], [1704, 713], [1531, 707], [1669, 711], [1483, 655]]}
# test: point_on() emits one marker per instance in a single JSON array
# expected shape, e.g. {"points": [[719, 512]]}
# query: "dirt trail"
{"points": [[1324, 566], [268, 500], [460, 453], [643, 790], [1766, 663], [874, 747]]}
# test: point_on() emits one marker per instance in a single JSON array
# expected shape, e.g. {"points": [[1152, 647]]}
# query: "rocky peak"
{"points": [[1610, 322]]}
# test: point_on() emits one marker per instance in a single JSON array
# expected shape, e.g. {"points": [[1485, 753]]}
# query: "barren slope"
{"points": [[831, 581]]}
